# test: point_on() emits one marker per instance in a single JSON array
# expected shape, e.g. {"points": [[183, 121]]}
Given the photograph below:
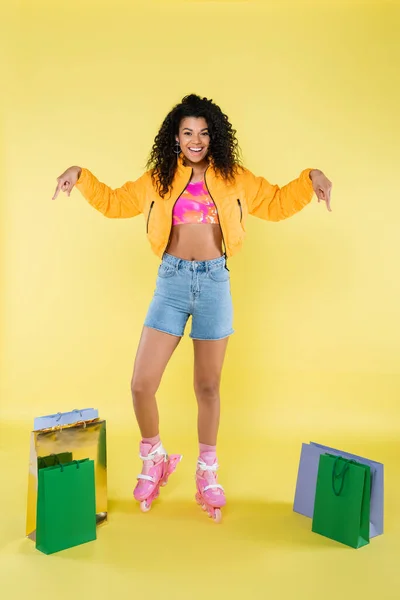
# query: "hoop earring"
{"points": [[177, 148]]}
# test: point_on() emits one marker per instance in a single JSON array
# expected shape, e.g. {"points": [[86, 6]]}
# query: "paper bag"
{"points": [[81, 440], [307, 480], [342, 501], [66, 508]]}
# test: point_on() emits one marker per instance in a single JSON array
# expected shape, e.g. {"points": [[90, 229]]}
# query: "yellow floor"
{"points": [[261, 550]]}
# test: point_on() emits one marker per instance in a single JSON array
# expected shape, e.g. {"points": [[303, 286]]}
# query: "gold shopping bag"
{"points": [[85, 439]]}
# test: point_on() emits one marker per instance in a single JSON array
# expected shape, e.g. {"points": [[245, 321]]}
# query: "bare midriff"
{"points": [[196, 241]]}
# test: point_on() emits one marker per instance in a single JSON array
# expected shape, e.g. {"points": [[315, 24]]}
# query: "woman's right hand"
{"points": [[67, 180]]}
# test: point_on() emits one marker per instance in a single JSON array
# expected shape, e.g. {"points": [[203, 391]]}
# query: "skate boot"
{"points": [[210, 495], [157, 467]]}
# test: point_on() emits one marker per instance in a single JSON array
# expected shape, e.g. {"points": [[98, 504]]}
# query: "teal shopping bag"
{"points": [[342, 501], [66, 506]]}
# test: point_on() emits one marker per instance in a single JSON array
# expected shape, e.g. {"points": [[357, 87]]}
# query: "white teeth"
{"points": [[195, 149]]}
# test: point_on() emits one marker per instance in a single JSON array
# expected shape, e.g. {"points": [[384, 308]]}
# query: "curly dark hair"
{"points": [[224, 148]]}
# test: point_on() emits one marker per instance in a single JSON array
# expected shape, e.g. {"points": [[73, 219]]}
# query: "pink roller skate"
{"points": [[157, 467], [210, 495]]}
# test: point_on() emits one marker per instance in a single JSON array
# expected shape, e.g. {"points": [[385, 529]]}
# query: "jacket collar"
{"points": [[182, 176], [183, 168]]}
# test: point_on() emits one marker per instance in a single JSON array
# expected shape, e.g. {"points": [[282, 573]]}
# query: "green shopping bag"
{"points": [[54, 459], [342, 501], [66, 506]]}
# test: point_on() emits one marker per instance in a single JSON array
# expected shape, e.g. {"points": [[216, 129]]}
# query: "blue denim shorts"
{"points": [[200, 289]]}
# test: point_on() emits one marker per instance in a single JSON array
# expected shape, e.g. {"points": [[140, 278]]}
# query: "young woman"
{"points": [[195, 198]]}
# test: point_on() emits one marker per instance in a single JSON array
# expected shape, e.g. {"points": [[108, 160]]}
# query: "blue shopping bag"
{"points": [[66, 418], [307, 481]]}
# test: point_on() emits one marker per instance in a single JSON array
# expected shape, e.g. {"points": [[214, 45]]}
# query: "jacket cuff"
{"points": [[307, 182], [83, 178]]}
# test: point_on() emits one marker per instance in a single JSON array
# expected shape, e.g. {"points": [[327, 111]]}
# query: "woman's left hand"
{"points": [[322, 187]]}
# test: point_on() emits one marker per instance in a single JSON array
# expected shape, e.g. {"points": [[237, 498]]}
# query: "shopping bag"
{"points": [[66, 418], [54, 459], [81, 440], [342, 501], [307, 479], [66, 506]]}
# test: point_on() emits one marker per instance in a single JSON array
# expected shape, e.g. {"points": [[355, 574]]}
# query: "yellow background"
{"points": [[316, 349]]}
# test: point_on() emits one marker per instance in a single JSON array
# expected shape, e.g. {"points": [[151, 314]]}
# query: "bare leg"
{"points": [[208, 361], [154, 351]]}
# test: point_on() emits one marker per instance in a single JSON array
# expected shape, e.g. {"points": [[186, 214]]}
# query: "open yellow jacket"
{"points": [[248, 194]]}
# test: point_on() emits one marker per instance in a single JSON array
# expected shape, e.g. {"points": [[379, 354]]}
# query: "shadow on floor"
{"points": [[255, 522]]}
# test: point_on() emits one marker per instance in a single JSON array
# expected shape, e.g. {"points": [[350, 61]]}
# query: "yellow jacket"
{"points": [[248, 194]]}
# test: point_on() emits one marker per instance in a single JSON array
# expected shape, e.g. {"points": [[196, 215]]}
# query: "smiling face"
{"points": [[194, 139]]}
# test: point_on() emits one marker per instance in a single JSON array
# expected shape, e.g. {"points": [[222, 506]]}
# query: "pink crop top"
{"points": [[195, 206]]}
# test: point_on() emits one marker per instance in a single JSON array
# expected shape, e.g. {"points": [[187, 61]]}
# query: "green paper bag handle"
{"points": [[58, 461], [62, 466], [78, 466], [42, 462], [341, 475]]}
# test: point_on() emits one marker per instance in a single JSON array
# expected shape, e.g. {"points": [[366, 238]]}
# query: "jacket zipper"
{"points": [[148, 216], [172, 212], [241, 211], [220, 224]]}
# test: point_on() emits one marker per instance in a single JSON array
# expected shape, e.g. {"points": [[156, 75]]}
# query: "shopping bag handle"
{"points": [[58, 462], [340, 475], [76, 410], [62, 466]]}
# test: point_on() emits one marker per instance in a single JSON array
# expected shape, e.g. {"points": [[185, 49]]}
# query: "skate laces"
{"points": [[209, 475], [150, 461]]}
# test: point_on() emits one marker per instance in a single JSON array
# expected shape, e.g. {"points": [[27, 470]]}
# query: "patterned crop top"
{"points": [[195, 206]]}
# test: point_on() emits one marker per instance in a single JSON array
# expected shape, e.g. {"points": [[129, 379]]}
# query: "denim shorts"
{"points": [[200, 289]]}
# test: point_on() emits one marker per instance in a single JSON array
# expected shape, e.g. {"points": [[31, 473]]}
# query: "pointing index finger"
{"points": [[328, 200], [58, 188]]}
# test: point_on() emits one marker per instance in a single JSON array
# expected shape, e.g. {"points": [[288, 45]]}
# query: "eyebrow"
{"points": [[188, 129]]}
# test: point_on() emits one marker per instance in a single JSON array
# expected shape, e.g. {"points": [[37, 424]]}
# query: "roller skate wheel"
{"points": [[217, 516], [144, 507]]}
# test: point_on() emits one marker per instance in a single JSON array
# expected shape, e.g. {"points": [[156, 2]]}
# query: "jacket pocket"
{"points": [[240, 209], [241, 214], [148, 216]]}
